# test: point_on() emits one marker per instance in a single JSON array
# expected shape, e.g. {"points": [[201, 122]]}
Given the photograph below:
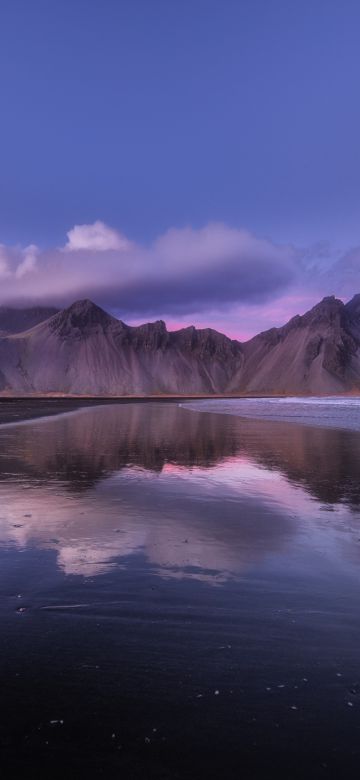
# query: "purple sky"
{"points": [[193, 160]]}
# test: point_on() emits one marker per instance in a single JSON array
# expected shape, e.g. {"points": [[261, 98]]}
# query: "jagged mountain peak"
{"points": [[325, 311], [329, 303], [80, 317], [85, 308], [83, 304], [158, 326]]}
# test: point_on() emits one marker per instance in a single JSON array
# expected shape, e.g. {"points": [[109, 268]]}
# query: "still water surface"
{"points": [[179, 596]]}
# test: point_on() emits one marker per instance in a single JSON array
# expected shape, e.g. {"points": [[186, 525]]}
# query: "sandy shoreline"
{"points": [[20, 408], [15, 409]]}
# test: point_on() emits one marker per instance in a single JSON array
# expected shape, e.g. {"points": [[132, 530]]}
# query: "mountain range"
{"points": [[84, 350]]}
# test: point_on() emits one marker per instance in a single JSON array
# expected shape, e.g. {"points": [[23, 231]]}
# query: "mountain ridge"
{"points": [[84, 350]]}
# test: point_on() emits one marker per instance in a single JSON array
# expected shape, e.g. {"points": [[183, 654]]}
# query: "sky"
{"points": [[195, 161]]}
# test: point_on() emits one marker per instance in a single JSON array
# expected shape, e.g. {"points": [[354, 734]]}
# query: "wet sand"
{"points": [[179, 596], [19, 409]]}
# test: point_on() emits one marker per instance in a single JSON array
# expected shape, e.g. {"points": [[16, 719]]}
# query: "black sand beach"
{"points": [[13, 409], [16, 409]]}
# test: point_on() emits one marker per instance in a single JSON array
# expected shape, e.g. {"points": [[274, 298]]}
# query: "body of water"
{"points": [[180, 592], [330, 412]]}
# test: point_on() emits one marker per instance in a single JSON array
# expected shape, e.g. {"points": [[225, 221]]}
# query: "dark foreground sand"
{"points": [[18, 409]]}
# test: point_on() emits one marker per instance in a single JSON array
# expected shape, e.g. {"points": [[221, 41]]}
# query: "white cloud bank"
{"points": [[97, 237]]}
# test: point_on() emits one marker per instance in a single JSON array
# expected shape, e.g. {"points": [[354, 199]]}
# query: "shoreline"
{"points": [[19, 409]]}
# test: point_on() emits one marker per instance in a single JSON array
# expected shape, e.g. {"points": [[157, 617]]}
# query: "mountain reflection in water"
{"points": [[200, 495]]}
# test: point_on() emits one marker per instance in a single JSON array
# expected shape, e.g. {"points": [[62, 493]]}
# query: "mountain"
{"points": [[84, 350], [316, 353], [17, 320]]}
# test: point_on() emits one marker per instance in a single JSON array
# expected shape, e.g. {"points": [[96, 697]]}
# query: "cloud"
{"points": [[215, 265], [214, 274], [4, 268], [29, 263], [182, 271], [97, 237]]}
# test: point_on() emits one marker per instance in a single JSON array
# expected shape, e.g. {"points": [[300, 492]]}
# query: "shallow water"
{"points": [[330, 412], [180, 596]]}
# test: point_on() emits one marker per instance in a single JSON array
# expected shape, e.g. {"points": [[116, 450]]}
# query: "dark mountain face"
{"points": [[84, 350], [18, 320], [353, 307], [81, 320], [352, 314]]}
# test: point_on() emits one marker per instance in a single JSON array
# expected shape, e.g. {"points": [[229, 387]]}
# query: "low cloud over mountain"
{"points": [[184, 270], [214, 275]]}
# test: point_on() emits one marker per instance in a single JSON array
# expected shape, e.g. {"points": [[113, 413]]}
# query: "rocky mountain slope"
{"points": [[316, 353], [84, 350]]}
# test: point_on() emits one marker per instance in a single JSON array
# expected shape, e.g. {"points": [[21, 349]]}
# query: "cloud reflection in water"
{"points": [[199, 495]]}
